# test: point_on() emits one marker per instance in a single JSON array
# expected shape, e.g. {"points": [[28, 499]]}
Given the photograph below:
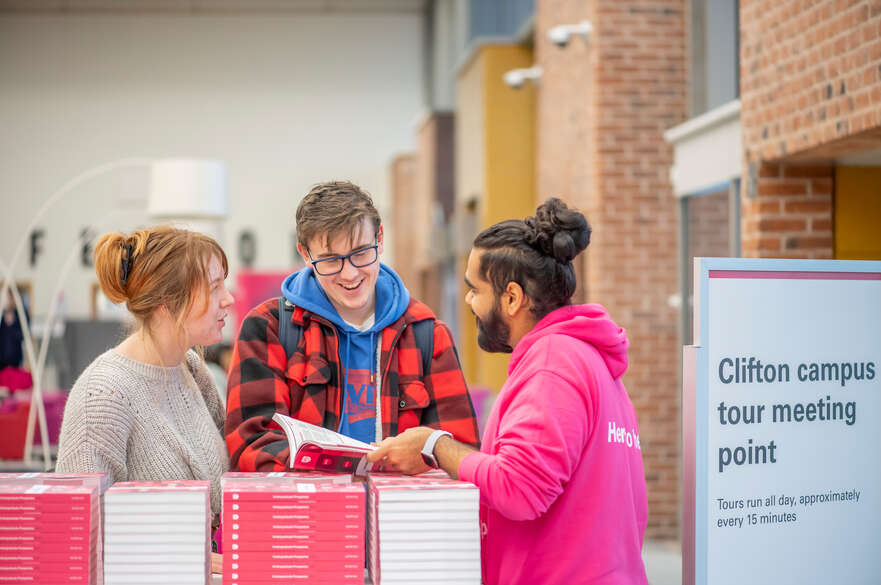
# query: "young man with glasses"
{"points": [[357, 367]]}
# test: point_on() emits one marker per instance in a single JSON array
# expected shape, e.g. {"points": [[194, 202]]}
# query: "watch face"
{"points": [[429, 460]]}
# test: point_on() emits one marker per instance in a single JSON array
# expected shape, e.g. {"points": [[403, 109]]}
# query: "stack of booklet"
{"points": [[157, 532], [422, 530], [100, 481], [292, 529], [48, 534]]}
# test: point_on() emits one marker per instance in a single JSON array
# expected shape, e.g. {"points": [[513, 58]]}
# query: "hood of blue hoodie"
{"points": [[392, 298], [589, 323], [357, 349]]}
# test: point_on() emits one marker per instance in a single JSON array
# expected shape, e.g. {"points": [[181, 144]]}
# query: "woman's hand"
{"points": [[216, 563]]}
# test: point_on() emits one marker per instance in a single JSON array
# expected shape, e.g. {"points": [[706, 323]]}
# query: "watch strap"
{"points": [[428, 448]]}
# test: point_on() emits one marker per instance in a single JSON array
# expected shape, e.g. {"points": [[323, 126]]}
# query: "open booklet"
{"points": [[315, 448]]}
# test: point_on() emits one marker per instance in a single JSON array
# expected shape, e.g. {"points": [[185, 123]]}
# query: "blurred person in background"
{"points": [[12, 376], [11, 335]]}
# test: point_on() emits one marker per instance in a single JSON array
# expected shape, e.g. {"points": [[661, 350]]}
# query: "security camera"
{"points": [[560, 35], [517, 77], [514, 78]]}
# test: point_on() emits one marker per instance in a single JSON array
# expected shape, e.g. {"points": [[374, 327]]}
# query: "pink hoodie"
{"points": [[560, 471]]}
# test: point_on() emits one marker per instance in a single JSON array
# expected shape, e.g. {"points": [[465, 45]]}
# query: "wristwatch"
{"points": [[428, 449]]}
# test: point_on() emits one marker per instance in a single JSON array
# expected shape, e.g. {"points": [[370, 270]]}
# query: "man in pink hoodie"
{"points": [[560, 471]]}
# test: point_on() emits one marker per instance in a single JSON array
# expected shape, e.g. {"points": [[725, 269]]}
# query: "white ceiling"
{"points": [[209, 6]]}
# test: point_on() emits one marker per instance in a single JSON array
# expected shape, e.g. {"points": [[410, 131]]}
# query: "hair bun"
{"points": [[108, 256], [557, 231]]}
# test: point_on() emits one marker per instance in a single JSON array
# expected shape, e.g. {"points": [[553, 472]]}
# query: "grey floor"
{"points": [[663, 562]]}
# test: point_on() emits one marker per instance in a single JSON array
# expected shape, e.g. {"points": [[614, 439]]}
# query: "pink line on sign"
{"points": [[785, 275]]}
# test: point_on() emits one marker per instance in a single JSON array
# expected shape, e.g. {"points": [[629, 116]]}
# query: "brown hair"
{"points": [[155, 267], [334, 208]]}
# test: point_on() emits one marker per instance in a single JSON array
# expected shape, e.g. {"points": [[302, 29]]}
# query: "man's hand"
{"points": [[404, 452]]}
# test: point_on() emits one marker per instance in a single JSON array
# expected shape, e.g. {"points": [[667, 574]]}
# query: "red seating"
{"points": [[14, 419]]}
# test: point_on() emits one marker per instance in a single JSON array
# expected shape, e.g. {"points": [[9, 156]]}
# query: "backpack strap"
{"points": [[423, 331], [289, 334]]}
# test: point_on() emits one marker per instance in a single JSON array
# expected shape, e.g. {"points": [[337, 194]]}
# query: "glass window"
{"points": [[715, 47]]}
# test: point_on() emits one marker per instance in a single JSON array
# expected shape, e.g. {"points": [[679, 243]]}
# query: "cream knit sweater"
{"points": [[139, 422]]}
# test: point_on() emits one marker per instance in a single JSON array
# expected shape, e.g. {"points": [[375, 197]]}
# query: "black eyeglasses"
{"points": [[334, 264]]}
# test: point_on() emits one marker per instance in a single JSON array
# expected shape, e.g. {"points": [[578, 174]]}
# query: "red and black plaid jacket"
{"points": [[306, 385]]}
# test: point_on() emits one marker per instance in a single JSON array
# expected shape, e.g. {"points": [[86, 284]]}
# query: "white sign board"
{"points": [[782, 424]]}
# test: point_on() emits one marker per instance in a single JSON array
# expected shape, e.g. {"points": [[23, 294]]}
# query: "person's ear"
{"points": [[513, 299], [304, 254], [379, 235]]}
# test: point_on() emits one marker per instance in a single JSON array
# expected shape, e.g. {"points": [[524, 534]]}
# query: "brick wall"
{"points": [[429, 205], [810, 73], [708, 225], [401, 231], [788, 212], [810, 92], [565, 129], [602, 110], [708, 236]]}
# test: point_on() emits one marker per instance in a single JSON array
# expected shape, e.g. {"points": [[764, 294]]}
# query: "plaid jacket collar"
{"points": [[327, 350]]}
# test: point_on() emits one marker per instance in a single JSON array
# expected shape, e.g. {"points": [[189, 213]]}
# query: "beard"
{"points": [[493, 333]]}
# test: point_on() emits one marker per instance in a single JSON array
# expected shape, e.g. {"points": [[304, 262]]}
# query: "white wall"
{"points": [[444, 55], [285, 100]]}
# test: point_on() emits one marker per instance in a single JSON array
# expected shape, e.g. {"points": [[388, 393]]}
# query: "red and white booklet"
{"points": [[291, 476], [101, 481], [315, 448]]}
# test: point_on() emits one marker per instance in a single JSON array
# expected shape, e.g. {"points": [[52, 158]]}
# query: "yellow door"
{"points": [[858, 213]]}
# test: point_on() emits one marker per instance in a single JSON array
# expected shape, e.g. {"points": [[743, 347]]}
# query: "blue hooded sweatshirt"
{"points": [[358, 349]]}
